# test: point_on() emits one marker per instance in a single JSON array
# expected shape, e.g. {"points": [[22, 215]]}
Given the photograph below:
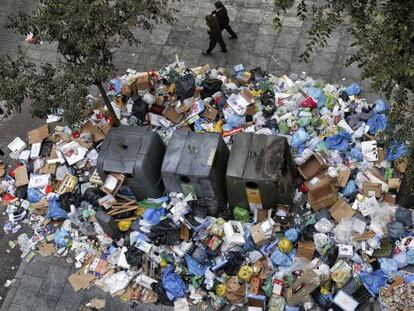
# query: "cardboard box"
{"points": [[20, 175], [234, 233], [40, 208], [322, 197], [390, 198], [300, 290], [255, 284], [210, 112], [312, 166], [394, 183], [258, 234], [371, 189], [319, 180], [48, 169], [341, 209], [171, 114], [98, 134], [343, 177], [67, 184], [306, 249], [113, 183], [142, 82], [37, 135]]}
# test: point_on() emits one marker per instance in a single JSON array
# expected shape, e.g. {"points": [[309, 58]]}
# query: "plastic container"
{"points": [[137, 153], [196, 163], [261, 172]]}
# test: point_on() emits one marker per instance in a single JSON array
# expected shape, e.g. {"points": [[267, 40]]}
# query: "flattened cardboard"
{"points": [[201, 70], [80, 281], [322, 197], [210, 112], [371, 189], [341, 209], [300, 290], [21, 176], [46, 249], [258, 235], [343, 177], [37, 135], [319, 180], [98, 134], [48, 169], [40, 208], [306, 249], [171, 114], [312, 166]]}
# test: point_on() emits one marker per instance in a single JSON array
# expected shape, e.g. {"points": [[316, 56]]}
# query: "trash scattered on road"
{"points": [[220, 188]]}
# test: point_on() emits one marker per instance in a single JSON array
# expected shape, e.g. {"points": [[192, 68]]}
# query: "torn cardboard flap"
{"points": [[46, 249], [319, 180], [38, 135], [343, 177], [306, 249], [341, 209], [81, 281], [98, 134], [21, 176], [312, 166]]}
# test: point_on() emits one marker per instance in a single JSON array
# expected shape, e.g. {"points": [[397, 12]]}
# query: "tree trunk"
{"points": [[107, 103]]}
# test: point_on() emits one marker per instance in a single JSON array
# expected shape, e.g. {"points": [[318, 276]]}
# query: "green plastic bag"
{"points": [[304, 121], [267, 287], [283, 127], [241, 214], [330, 101]]}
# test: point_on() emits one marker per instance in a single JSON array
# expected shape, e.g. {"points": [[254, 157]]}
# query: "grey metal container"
{"points": [[196, 163], [261, 172], [137, 153]]}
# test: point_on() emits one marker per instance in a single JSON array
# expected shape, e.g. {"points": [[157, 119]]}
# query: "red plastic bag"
{"points": [[309, 103]]}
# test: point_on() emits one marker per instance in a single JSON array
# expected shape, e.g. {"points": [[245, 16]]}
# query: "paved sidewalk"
{"points": [[42, 283]]}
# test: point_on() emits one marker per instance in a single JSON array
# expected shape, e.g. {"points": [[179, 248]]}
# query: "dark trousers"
{"points": [[230, 31], [213, 42]]}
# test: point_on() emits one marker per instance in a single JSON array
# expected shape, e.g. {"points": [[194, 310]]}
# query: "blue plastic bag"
{"points": [[280, 259], [62, 238], [380, 106], [356, 154], [339, 141], [378, 122], [249, 244], [401, 259], [292, 235], [396, 151], [291, 308], [349, 189], [373, 281], [194, 267], [396, 230], [153, 215], [317, 95], [299, 138], [410, 256], [55, 211], [173, 285], [353, 89], [34, 195], [389, 266]]}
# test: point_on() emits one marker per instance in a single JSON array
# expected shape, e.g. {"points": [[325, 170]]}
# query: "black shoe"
{"points": [[206, 53], [233, 38]]}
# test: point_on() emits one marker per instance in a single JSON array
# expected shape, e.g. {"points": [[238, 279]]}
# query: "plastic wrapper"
{"points": [[373, 281], [396, 230], [356, 154], [280, 259], [55, 211], [349, 189], [388, 265], [277, 303], [323, 225], [245, 273], [353, 89], [342, 231], [34, 195], [62, 238], [299, 138], [378, 122], [292, 234], [396, 151], [194, 267], [339, 141], [320, 239], [380, 106], [117, 281], [285, 245], [153, 216], [172, 283]]}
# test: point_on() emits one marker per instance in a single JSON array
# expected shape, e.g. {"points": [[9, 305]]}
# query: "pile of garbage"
{"points": [[340, 242]]}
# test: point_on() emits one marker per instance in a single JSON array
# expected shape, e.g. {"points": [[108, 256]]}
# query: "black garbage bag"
{"points": [[185, 86], [234, 262], [165, 233], [139, 109], [92, 195], [162, 296], [21, 192], [203, 207], [307, 232], [70, 198], [210, 86], [134, 256], [46, 149]]}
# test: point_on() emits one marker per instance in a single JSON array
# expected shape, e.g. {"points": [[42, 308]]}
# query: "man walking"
{"points": [[214, 32], [221, 13]]}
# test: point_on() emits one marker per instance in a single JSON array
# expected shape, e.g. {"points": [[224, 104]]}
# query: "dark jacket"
{"points": [[213, 24], [222, 16]]}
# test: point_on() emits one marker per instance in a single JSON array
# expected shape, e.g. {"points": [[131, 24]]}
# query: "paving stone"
{"points": [[45, 303], [27, 290], [177, 38], [197, 38], [191, 56], [37, 268], [288, 37], [280, 61], [55, 281], [158, 36], [168, 55], [264, 45]]}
